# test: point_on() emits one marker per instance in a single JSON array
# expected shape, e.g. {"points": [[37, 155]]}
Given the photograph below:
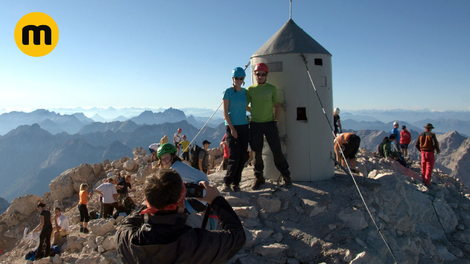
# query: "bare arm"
{"points": [[340, 128], [40, 224], [200, 164]]}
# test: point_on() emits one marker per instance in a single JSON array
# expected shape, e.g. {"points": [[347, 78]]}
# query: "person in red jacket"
{"points": [[426, 144], [405, 139]]}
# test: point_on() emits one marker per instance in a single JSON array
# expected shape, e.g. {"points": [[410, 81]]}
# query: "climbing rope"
{"points": [[304, 58], [201, 129]]}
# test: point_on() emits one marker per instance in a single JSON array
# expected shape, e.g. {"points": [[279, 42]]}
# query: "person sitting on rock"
{"points": [[61, 227], [396, 155], [159, 234]]}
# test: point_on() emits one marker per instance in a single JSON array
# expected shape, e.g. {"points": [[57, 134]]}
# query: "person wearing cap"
{"points": [[236, 129], [427, 144], [262, 99], [177, 140], [405, 139], [395, 144], [185, 146], [159, 231], [203, 157]]}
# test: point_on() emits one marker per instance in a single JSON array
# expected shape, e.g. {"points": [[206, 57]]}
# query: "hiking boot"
{"points": [[287, 182], [236, 188], [226, 188], [85, 231], [81, 229], [257, 183]]}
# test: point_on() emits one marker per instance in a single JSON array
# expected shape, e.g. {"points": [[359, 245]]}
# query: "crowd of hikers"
{"points": [[167, 227]]}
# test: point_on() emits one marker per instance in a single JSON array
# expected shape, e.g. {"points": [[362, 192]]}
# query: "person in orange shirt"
{"points": [[84, 196], [349, 143]]}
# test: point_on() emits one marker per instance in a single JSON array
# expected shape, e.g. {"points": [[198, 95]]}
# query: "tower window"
{"points": [[301, 114], [319, 62]]}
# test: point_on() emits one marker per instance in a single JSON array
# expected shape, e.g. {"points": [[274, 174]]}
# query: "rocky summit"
{"points": [[397, 218]]}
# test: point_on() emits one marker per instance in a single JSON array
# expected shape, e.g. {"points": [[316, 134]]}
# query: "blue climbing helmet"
{"points": [[238, 72]]}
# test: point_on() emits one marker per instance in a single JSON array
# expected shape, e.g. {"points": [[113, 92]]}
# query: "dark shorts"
{"points": [[352, 147], [177, 145], [404, 146]]}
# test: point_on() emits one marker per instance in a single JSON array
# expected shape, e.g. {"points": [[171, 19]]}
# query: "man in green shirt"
{"points": [[265, 108]]}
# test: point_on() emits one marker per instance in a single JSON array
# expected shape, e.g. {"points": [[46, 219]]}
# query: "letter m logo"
{"points": [[37, 34]]}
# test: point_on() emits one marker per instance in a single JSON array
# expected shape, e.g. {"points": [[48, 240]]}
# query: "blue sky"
{"points": [[386, 54]]}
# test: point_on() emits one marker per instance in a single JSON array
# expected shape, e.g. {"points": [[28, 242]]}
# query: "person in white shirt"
{"points": [[177, 140], [110, 197], [61, 227]]}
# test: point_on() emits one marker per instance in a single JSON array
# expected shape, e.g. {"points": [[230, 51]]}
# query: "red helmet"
{"points": [[261, 67], [184, 136], [179, 130]]}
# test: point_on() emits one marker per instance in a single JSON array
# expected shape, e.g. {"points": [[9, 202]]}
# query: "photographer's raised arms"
{"points": [[159, 234]]}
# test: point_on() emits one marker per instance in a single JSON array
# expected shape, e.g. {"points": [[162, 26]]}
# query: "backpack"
{"points": [[380, 149], [195, 156]]}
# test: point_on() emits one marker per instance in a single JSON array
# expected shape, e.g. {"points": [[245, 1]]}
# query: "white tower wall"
{"points": [[308, 145]]}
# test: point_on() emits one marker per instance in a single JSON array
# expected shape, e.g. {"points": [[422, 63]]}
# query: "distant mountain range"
{"points": [[72, 123], [36, 147]]}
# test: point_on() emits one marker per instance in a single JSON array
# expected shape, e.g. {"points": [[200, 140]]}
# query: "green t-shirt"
{"points": [[262, 98]]}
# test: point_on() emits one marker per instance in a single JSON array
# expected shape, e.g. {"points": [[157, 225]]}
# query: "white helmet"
{"points": [[336, 111], [395, 123]]}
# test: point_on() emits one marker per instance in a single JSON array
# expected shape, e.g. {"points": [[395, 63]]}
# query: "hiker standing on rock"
{"points": [[159, 233], [185, 146], [426, 144], [84, 196], [337, 121], [203, 157], [110, 197], [236, 129], [405, 139], [349, 143], [46, 230], [263, 98], [177, 140], [396, 143]]}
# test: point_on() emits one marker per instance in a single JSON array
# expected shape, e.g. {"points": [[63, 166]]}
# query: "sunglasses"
{"points": [[239, 78], [261, 74]]}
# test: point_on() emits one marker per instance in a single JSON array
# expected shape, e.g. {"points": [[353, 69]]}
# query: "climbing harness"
{"points": [[304, 58]]}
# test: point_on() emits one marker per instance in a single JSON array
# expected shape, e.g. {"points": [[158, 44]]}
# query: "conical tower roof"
{"points": [[290, 39]]}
